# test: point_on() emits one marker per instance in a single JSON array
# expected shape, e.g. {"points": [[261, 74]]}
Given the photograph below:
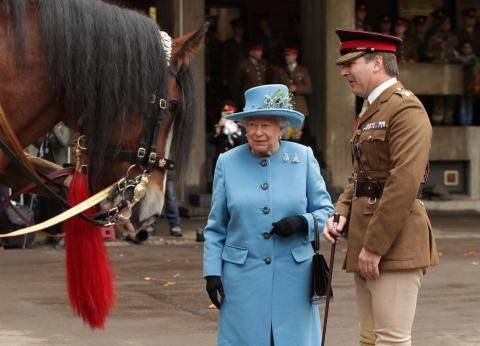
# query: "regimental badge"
{"points": [[285, 158], [295, 158], [375, 125]]}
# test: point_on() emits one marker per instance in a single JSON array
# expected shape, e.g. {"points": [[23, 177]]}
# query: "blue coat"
{"points": [[267, 279]]}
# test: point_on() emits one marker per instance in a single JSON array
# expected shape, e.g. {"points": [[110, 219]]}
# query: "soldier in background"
{"points": [[213, 74], [234, 50], [297, 78], [385, 24], [406, 52], [440, 50], [250, 72], [442, 43], [361, 17], [471, 82], [419, 34], [470, 31]]}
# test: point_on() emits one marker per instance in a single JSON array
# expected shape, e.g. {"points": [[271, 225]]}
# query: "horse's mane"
{"points": [[184, 121], [106, 62]]}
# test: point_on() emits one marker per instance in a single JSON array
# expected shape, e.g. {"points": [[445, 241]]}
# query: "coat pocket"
{"points": [[302, 253], [234, 254]]}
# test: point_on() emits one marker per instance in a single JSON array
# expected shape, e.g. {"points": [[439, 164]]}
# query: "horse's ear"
{"points": [[186, 46]]}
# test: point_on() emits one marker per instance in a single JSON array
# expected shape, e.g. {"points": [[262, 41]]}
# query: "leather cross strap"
{"points": [[37, 180], [51, 177], [73, 211]]}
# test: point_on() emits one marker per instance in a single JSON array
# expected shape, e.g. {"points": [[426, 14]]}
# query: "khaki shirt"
{"points": [[394, 137], [249, 75], [301, 79]]}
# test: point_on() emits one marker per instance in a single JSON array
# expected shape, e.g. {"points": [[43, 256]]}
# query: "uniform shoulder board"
{"points": [[403, 92]]}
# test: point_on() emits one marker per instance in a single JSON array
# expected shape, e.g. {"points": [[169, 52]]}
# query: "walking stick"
{"points": [[336, 219]]}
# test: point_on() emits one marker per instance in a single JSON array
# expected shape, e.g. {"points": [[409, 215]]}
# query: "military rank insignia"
{"points": [[375, 125]]}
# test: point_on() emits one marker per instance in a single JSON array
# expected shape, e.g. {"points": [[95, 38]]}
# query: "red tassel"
{"points": [[89, 274]]}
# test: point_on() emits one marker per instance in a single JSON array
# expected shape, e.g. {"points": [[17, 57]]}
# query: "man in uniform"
{"points": [[420, 30], [251, 72], [440, 50], [361, 17], [406, 53], [234, 50], [390, 241], [385, 24], [297, 78], [470, 32]]}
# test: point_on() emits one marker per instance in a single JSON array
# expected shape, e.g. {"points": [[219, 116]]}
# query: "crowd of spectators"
{"points": [[434, 39]]}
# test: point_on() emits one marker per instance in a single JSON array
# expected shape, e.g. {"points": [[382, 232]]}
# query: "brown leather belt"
{"points": [[374, 189]]}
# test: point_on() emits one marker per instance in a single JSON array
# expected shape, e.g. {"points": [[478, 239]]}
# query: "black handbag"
{"points": [[320, 270]]}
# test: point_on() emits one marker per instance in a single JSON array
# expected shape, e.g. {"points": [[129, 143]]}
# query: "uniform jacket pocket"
{"points": [[234, 254], [373, 135], [302, 253]]}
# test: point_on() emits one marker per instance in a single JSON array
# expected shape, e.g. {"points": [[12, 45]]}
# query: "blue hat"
{"points": [[269, 100]]}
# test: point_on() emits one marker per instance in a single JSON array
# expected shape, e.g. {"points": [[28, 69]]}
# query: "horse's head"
{"points": [[174, 131]]}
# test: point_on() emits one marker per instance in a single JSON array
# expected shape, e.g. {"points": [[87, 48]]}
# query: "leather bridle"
{"points": [[146, 156]]}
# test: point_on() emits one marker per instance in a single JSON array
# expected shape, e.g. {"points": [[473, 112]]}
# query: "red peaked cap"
{"points": [[355, 43]]}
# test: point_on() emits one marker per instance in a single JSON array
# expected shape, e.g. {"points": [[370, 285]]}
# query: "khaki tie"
{"points": [[365, 106]]}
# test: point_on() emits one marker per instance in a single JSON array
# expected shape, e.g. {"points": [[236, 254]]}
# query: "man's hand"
{"points": [[368, 264], [330, 232], [215, 288]]}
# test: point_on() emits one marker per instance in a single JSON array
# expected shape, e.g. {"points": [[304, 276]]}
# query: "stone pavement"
{"points": [[161, 298]]}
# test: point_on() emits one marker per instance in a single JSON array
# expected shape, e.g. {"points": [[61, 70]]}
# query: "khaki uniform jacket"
{"points": [[301, 79], [249, 75], [394, 137]]}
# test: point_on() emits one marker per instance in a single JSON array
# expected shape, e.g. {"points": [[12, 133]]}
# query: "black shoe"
{"points": [[176, 231], [199, 232]]}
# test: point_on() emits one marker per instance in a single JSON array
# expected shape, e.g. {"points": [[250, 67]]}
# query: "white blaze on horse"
{"points": [[112, 76]]}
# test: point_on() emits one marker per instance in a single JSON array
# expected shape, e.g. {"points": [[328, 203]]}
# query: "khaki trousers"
{"points": [[386, 307]]}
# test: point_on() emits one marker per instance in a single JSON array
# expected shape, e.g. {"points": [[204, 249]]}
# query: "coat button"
{"points": [[267, 260], [264, 186], [266, 235], [266, 210], [264, 162]]}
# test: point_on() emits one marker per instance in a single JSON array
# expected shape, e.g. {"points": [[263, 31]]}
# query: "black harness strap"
{"points": [[131, 156], [146, 155]]}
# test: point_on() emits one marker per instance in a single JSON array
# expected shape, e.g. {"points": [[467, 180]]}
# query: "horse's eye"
{"points": [[173, 107]]}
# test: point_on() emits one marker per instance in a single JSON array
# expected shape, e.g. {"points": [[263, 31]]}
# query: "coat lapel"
{"points": [[375, 106]]}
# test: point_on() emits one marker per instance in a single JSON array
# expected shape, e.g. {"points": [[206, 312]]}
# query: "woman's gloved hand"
{"points": [[290, 225], [215, 287]]}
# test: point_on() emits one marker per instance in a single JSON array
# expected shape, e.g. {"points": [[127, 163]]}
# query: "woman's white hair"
{"points": [[282, 122]]}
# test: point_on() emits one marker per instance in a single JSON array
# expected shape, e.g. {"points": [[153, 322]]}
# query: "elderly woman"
{"points": [[258, 253]]}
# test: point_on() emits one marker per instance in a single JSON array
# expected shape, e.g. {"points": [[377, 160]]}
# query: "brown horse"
{"points": [[96, 67]]}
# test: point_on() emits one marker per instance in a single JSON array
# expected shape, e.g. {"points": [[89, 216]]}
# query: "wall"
{"points": [[189, 15], [459, 144], [332, 103]]}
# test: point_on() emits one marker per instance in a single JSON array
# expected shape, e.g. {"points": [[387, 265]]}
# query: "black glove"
{"points": [[290, 225], [214, 285]]}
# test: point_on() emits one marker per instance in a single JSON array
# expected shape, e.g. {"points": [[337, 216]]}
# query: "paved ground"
{"points": [[161, 299]]}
